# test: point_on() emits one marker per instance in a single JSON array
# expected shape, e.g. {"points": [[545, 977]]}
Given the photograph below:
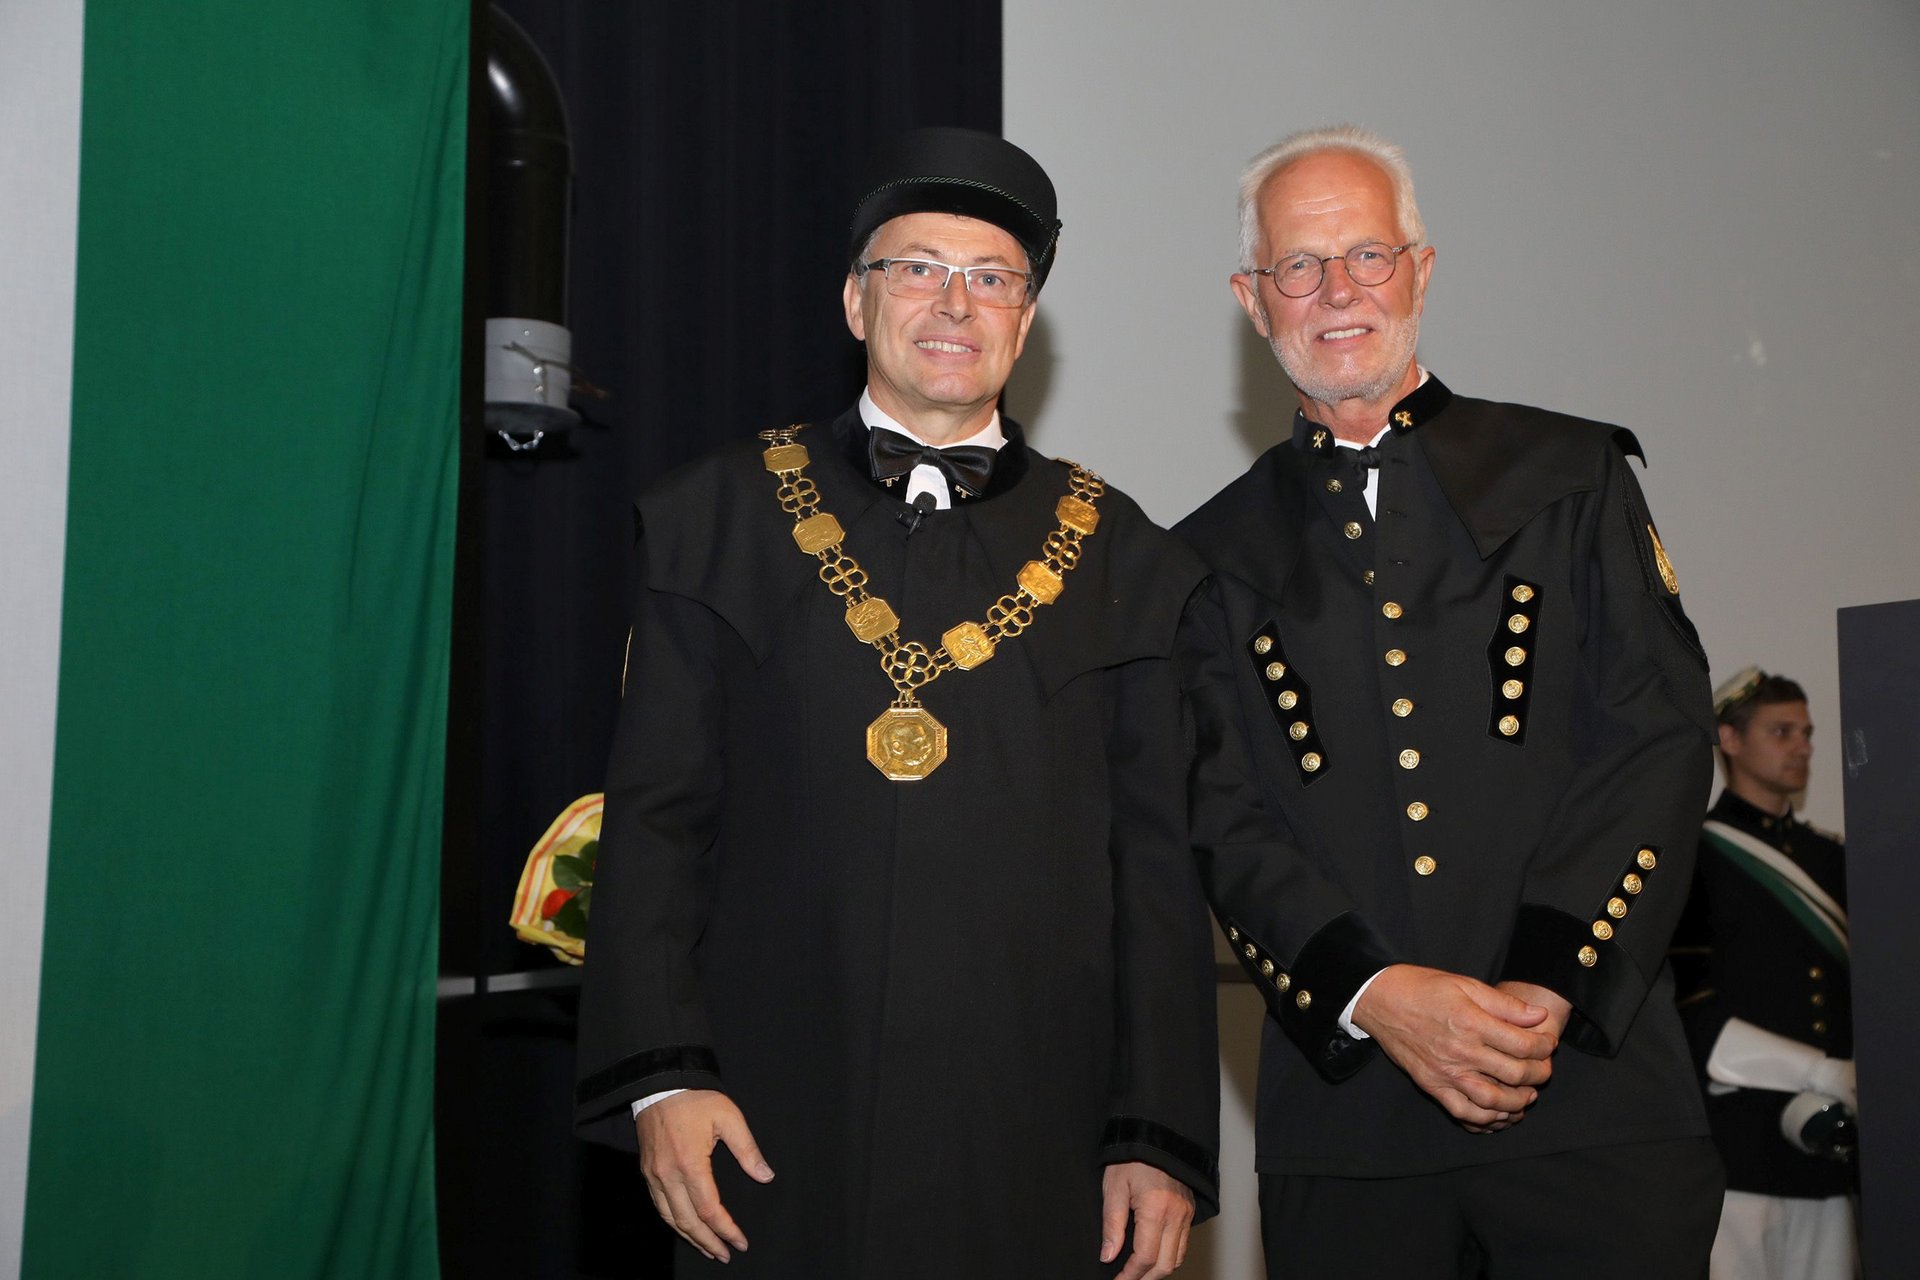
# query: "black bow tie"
{"points": [[967, 467], [1364, 459]]}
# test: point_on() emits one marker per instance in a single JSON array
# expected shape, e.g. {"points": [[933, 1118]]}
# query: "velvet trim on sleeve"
{"points": [[1129, 1138]]}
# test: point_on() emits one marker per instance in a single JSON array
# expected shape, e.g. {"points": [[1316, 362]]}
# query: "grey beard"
{"points": [[1405, 338]]}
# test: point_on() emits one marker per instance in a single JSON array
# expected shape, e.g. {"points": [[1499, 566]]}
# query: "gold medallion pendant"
{"points": [[906, 743]]}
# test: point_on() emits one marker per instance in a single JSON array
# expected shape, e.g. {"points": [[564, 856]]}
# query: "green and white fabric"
{"points": [[1784, 878], [230, 331]]}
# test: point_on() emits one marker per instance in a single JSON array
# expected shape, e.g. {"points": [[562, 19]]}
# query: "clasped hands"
{"points": [[1481, 1052], [678, 1135]]}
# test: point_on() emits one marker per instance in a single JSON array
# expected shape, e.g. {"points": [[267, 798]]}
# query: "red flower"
{"points": [[555, 900]]}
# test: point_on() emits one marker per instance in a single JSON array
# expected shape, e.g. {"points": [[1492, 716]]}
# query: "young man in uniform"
{"points": [[1772, 1022]]}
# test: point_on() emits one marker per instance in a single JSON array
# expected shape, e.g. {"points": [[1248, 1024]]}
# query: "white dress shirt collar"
{"points": [[926, 478]]}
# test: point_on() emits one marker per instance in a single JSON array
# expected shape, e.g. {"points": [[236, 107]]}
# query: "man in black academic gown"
{"points": [[1771, 1019], [1455, 736], [894, 893]]}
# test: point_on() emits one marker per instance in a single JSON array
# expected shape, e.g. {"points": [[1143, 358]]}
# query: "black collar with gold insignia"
{"points": [[1414, 410], [1741, 812]]}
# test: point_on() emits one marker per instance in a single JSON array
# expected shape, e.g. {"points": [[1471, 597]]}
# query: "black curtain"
{"points": [[715, 149]]}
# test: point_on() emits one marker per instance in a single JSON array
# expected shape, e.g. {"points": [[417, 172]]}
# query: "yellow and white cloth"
{"points": [[539, 898]]}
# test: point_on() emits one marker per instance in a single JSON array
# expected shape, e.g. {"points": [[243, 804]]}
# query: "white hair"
{"points": [[1340, 137]]}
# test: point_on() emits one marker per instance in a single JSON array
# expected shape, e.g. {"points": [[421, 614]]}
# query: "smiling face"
{"points": [[937, 364], [1347, 349], [1767, 762]]}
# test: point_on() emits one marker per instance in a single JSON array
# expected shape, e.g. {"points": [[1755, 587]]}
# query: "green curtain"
{"points": [[234, 1073]]}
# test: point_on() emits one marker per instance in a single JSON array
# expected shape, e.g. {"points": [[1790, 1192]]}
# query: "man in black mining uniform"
{"points": [[895, 867], [1455, 738], [1772, 1021]]}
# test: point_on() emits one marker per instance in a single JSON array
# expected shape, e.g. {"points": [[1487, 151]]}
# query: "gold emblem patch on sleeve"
{"points": [[1664, 565]]}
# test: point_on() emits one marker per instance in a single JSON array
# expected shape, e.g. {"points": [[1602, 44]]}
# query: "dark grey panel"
{"points": [[1880, 732]]}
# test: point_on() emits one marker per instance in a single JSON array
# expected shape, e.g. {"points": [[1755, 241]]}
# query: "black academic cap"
{"points": [[963, 171]]}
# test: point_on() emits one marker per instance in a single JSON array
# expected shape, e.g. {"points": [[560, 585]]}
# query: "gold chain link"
{"points": [[910, 665]]}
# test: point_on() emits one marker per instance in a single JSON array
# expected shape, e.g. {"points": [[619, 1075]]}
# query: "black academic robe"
{"points": [[1472, 733], [943, 1005], [1765, 966]]}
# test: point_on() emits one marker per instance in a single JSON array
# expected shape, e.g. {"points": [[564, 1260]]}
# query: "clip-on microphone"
{"points": [[921, 506]]}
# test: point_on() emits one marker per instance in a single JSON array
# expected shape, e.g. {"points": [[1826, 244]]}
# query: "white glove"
{"points": [[1834, 1077], [1751, 1058]]}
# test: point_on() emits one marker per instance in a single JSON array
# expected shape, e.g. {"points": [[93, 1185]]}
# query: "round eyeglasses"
{"points": [[1299, 274], [925, 278]]}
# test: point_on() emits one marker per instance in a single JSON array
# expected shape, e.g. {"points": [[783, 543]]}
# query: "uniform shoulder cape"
{"points": [[1499, 465]]}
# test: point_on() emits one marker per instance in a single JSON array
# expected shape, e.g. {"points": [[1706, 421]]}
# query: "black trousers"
{"points": [[1638, 1211]]}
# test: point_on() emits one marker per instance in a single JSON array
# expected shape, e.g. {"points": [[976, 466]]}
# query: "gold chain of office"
{"points": [[906, 743]]}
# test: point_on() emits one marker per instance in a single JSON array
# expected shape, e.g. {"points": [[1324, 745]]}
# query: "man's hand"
{"points": [[1162, 1208], [1558, 1008], [677, 1138], [1477, 1051]]}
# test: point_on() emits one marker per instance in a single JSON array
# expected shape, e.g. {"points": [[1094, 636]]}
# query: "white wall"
{"points": [[1696, 219]]}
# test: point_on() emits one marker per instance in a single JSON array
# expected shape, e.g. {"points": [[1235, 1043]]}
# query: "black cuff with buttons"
{"points": [[1583, 960], [1307, 996]]}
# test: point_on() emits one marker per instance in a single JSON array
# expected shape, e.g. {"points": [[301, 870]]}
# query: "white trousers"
{"points": [[1783, 1238]]}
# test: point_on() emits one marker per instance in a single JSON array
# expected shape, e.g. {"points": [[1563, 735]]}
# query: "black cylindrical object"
{"points": [[529, 350], [529, 180]]}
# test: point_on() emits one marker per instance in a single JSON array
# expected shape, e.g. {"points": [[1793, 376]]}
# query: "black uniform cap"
{"points": [[961, 171]]}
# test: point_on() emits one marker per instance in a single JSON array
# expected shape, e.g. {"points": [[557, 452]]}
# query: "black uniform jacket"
{"points": [[942, 1005], [1471, 733], [1767, 968]]}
